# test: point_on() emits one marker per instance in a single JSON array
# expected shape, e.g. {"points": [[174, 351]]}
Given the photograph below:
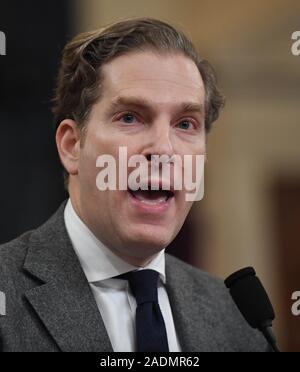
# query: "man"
{"points": [[95, 277]]}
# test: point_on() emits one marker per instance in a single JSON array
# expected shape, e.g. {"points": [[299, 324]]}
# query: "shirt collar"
{"points": [[99, 262]]}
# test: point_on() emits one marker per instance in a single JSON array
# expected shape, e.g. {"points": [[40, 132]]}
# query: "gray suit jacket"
{"points": [[50, 306]]}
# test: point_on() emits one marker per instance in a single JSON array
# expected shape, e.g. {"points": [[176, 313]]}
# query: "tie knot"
{"points": [[143, 285]]}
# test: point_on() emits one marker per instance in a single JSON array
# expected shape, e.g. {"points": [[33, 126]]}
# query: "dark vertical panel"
{"points": [[287, 226], [191, 241], [31, 185]]}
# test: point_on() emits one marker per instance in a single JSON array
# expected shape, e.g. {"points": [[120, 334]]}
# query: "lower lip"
{"points": [[158, 208]]}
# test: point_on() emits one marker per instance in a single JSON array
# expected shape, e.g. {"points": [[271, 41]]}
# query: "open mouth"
{"points": [[152, 197]]}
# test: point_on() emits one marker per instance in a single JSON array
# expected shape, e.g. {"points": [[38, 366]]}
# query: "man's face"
{"points": [[143, 108]]}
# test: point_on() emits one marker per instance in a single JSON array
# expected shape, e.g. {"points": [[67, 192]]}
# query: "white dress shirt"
{"points": [[115, 301]]}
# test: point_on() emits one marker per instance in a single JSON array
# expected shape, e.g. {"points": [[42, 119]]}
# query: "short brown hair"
{"points": [[79, 78]]}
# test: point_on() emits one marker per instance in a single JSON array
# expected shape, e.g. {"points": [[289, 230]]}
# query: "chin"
{"points": [[152, 239]]}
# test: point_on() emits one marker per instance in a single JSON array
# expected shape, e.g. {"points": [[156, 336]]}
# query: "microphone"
{"points": [[253, 302]]}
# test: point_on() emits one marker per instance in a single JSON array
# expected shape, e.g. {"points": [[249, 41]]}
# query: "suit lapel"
{"points": [[66, 306], [64, 302], [191, 308]]}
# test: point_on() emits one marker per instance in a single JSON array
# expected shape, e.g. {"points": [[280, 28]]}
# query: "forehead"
{"points": [[161, 78]]}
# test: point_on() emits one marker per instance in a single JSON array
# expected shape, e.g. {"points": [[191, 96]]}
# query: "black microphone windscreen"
{"points": [[250, 297]]}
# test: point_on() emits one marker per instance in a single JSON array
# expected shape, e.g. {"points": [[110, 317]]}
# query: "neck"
{"points": [[132, 260]]}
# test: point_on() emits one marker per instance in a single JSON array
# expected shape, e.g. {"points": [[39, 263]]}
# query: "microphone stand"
{"points": [[266, 330]]}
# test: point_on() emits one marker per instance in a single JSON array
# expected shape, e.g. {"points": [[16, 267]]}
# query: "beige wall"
{"points": [[258, 135]]}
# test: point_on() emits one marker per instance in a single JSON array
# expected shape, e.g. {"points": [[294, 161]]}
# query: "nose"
{"points": [[159, 141]]}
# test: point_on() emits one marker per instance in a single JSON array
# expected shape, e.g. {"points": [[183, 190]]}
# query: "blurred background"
{"points": [[250, 215]]}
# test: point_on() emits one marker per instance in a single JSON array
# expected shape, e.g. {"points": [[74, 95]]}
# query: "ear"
{"points": [[68, 145]]}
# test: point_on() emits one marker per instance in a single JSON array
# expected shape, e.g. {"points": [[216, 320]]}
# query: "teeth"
{"points": [[151, 197]]}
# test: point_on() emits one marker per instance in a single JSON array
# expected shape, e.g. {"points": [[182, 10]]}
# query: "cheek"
{"points": [[88, 171], [94, 146], [185, 206]]}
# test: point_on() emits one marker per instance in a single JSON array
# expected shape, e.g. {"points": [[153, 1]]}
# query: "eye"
{"points": [[128, 118], [185, 124]]}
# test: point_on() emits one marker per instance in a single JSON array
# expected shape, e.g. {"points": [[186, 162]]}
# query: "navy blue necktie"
{"points": [[151, 332]]}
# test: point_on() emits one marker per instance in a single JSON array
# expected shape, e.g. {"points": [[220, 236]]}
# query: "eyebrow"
{"points": [[141, 103]]}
